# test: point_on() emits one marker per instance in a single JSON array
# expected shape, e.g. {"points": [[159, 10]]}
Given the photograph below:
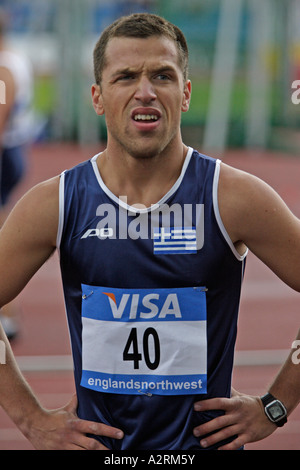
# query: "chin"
{"points": [[144, 153]]}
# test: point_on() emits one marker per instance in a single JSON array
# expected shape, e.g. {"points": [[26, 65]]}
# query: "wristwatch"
{"points": [[274, 409]]}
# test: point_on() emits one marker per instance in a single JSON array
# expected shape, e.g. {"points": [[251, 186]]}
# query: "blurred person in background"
{"points": [[16, 124]]}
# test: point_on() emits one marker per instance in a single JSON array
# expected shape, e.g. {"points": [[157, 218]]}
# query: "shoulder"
{"points": [[248, 205], [44, 193], [36, 213], [244, 194], [230, 175], [255, 214]]}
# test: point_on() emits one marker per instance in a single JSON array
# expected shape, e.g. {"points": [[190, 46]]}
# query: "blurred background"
{"points": [[244, 58]]}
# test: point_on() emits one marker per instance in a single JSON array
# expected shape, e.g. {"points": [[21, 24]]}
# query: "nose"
{"points": [[145, 91]]}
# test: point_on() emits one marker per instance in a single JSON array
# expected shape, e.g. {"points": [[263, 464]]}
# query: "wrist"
{"points": [[31, 420], [274, 409]]}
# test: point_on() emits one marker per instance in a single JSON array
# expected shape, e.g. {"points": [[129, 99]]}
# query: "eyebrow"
{"points": [[165, 68], [125, 71], [130, 70]]}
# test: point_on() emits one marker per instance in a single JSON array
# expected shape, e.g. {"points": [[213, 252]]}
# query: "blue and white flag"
{"points": [[174, 240]]}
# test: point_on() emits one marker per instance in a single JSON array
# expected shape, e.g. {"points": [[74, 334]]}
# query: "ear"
{"points": [[97, 99], [187, 92]]}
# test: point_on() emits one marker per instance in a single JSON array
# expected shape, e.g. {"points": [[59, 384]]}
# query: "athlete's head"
{"points": [[140, 25]]}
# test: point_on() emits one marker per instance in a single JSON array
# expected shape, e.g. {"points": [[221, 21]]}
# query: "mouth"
{"points": [[146, 118]]}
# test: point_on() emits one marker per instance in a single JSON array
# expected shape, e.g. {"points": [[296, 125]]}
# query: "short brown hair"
{"points": [[140, 25]]}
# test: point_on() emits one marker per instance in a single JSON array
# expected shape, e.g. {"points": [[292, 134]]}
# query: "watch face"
{"points": [[275, 410]]}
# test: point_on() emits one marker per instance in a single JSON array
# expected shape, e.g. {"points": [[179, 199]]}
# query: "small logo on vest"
{"points": [[101, 233]]}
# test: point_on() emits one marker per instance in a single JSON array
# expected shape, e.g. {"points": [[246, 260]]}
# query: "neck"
{"points": [[142, 180]]}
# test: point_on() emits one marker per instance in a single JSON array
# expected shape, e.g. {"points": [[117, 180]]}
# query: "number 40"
{"points": [[135, 355]]}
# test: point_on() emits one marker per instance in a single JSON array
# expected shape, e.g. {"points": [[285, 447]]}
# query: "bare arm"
{"points": [[255, 216], [27, 239]]}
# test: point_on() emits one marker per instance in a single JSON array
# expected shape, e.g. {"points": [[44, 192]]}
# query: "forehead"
{"points": [[123, 52]]}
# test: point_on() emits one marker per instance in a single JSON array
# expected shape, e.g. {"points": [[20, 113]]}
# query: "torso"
{"points": [[115, 270]]}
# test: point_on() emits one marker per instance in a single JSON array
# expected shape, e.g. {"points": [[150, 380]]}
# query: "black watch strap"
{"points": [[268, 401], [267, 398]]}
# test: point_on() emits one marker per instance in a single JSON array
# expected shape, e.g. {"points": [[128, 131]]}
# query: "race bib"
{"points": [[149, 341]]}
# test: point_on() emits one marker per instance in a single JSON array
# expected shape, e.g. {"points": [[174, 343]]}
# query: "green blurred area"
{"points": [[62, 92], [44, 95]]}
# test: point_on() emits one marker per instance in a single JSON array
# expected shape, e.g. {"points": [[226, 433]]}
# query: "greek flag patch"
{"points": [[174, 240]]}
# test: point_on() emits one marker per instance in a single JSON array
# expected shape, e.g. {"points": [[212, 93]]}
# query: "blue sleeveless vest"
{"points": [[152, 298]]}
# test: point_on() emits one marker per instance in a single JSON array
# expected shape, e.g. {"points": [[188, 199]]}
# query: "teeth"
{"points": [[145, 117]]}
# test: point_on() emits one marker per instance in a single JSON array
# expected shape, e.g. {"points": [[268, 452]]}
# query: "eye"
{"points": [[162, 77], [124, 78]]}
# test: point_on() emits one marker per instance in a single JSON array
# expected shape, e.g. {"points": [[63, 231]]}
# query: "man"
{"points": [[152, 239]]}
